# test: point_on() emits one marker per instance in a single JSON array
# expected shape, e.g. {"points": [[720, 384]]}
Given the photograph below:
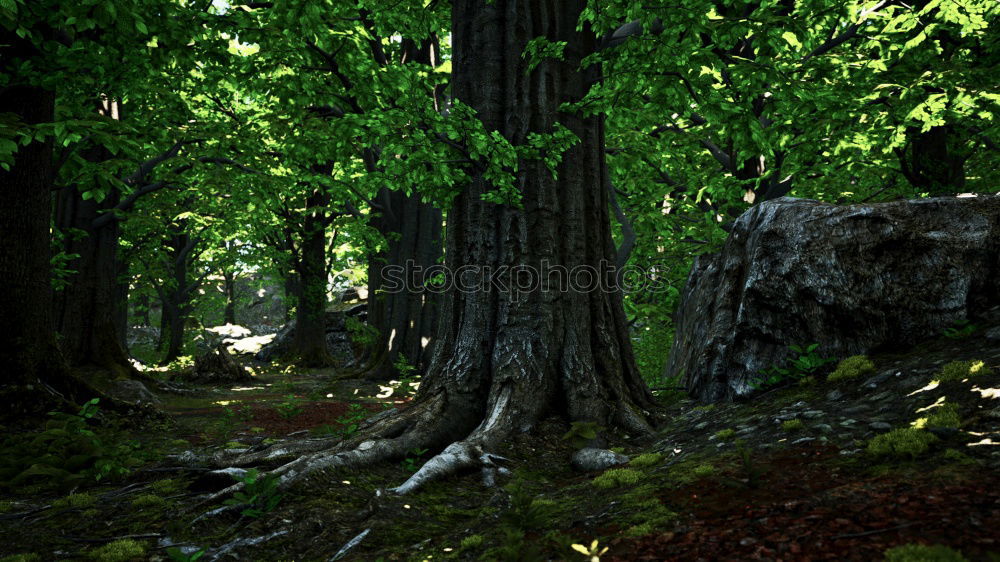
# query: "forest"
{"points": [[499, 280]]}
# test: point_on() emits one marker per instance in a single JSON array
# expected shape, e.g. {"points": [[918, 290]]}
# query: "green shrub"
{"points": [[646, 460], [119, 551], [792, 425], [923, 553], [617, 477], [725, 434], [903, 442], [959, 370], [852, 368]]}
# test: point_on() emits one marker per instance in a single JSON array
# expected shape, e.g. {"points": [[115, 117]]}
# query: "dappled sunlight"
{"points": [[930, 386], [987, 393]]}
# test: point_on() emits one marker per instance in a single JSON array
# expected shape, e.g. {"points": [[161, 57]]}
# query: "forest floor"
{"points": [[719, 482]]}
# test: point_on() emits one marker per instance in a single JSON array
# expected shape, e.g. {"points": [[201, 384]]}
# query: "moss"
{"points": [[923, 553], [903, 442], [147, 500], [471, 542], [119, 551], [6, 506], [617, 477], [852, 368], [725, 434], [945, 415], [167, 486], [646, 460], [27, 557], [793, 425], [619, 450], [958, 457], [74, 501], [959, 370], [703, 470]]}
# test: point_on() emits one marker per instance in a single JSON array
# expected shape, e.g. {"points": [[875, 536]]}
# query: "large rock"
{"points": [[853, 278], [218, 366], [337, 338]]}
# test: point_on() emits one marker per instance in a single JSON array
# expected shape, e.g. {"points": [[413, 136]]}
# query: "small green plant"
{"points": [[360, 332], [903, 442], [581, 433], [178, 555], [409, 463], [852, 368], [962, 328], [471, 542], [751, 471], [725, 434], [527, 512], [646, 460], [407, 378], [617, 477], [960, 370], [793, 425], [351, 421], [923, 553], [290, 408], [259, 494], [806, 363], [119, 551]]}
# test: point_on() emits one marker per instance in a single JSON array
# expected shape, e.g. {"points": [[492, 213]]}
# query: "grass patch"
{"points": [[617, 477], [471, 542], [646, 460], [923, 553]]}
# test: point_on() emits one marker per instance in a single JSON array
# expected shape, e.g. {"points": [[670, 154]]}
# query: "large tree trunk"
{"points": [[405, 319], [33, 369], [88, 309], [505, 360], [176, 297], [229, 278], [310, 318]]}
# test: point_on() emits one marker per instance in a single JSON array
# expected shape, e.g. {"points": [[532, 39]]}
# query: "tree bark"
{"points": [[310, 318], [35, 376], [405, 317], [229, 316]]}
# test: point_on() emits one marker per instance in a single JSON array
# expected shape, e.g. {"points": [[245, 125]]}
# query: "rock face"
{"points": [[218, 366], [337, 338], [853, 278]]}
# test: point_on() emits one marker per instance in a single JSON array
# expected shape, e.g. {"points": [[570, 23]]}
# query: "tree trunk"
{"points": [[176, 297], [310, 320], [504, 360], [88, 309], [229, 316], [405, 319], [34, 371]]}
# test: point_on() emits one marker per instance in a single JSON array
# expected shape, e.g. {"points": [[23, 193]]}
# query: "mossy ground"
{"points": [[708, 465]]}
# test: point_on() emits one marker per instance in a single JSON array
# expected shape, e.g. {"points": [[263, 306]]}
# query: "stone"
{"points": [[993, 334], [853, 278], [879, 379], [834, 395], [591, 460], [880, 426], [825, 428], [812, 414], [217, 366], [338, 340], [131, 391], [802, 440]]}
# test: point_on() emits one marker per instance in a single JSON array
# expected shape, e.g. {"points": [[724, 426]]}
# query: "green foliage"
{"points": [[962, 328], [581, 433], [407, 378], [725, 434], [360, 333], [259, 494], [471, 542], [413, 456], [852, 368], [923, 553], [616, 477], [960, 370], [652, 345], [351, 421], [646, 460], [906, 442], [793, 425], [66, 454], [178, 555], [119, 551], [290, 407], [805, 364], [750, 470]]}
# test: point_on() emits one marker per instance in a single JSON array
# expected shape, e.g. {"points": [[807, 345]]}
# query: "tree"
{"points": [[505, 359]]}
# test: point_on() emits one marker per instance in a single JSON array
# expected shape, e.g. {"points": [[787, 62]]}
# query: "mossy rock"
{"points": [[852, 368], [646, 460], [923, 553], [617, 477], [119, 551], [945, 415]]}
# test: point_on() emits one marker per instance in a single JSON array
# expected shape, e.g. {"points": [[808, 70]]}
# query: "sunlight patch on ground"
{"points": [[246, 388], [987, 393], [930, 386]]}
